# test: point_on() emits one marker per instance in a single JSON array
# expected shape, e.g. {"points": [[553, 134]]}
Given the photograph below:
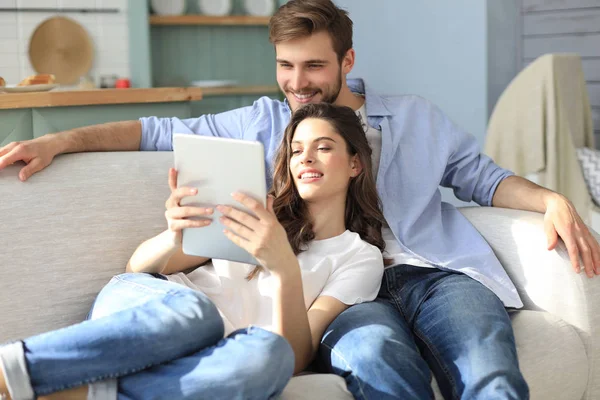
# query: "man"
{"points": [[442, 303]]}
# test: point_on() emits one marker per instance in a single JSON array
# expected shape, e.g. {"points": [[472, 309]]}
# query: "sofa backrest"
{"points": [[68, 229]]}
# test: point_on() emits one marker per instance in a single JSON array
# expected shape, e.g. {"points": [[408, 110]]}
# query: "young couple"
{"points": [[441, 307]]}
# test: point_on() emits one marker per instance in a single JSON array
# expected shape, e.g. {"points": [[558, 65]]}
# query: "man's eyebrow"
{"points": [[316, 140], [282, 61]]}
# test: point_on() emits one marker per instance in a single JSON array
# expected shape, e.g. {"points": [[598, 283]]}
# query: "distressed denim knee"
{"points": [[272, 364]]}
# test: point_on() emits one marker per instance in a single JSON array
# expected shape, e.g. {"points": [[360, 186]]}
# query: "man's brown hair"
{"points": [[301, 18]]}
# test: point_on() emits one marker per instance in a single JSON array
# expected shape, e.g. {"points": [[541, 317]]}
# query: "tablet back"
{"points": [[218, 167]]}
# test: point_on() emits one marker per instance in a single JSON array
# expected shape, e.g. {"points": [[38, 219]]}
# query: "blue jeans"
{"points": [[425, 320], [162, 341]]}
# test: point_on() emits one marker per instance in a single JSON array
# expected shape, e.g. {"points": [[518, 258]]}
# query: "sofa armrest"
{"points": [[545, 279]]}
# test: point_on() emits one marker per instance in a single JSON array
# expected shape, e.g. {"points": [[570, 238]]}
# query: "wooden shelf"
{"points": [[58, 98], [193, 19], [239, 90]]}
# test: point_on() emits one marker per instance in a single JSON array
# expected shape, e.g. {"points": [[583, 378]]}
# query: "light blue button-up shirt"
{"points": [[421, 149]]}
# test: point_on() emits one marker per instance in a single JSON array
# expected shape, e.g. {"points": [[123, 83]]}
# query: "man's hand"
{"points": [[36, 153], [562, 220]]}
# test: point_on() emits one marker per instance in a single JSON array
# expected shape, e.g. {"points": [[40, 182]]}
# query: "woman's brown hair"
{"points": [[301, 18], [363, 213]]}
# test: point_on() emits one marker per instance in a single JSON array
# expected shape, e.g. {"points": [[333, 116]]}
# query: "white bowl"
{"points": [[168, 7], [259, 8], [215, 8], [214, 83]]}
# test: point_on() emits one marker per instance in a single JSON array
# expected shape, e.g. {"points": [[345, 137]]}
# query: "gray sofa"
{"points": [[68, 229]]}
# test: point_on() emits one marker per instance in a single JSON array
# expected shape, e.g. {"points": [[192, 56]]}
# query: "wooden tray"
{"points": [[62, 47]]}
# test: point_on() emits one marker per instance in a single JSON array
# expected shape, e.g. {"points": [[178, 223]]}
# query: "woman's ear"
{"points": [[356, 166]]}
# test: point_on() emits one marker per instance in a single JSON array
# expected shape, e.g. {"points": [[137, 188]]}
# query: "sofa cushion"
{"points": [[316, 386], [551, 355], [72, 227]]}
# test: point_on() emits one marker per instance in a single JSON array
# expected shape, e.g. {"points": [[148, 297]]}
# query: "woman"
{"points": [[161, 333]]}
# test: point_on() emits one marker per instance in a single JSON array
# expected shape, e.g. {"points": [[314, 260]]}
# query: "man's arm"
{"points": [[149, 133], [38, 153], [560, 219], [472, 175], [112, 136], [521, 194]]}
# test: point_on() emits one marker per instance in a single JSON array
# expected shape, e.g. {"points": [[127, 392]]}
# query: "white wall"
{"points": [[458, 54], [431, 48], [503, 41], [109, 33]]}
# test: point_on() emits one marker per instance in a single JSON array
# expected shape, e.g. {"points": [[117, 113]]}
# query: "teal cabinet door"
{"points": [[15, 125], [57, 119]]}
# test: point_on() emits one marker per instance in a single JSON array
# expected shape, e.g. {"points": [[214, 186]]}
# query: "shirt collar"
{"points": [[376, 106]]}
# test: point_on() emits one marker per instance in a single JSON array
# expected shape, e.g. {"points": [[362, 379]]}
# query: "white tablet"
{"points": [[218, 167]]}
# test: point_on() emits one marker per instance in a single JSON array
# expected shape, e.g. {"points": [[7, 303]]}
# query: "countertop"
{"points": [[60, 98]]}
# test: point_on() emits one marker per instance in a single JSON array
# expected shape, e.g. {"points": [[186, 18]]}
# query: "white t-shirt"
{"points": [[344, 267], [393, 250]]}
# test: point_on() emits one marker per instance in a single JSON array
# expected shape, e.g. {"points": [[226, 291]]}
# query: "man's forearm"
{"points": [[522, 194], [113, 136]]}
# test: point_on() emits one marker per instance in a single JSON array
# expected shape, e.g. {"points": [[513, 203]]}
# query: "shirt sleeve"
{"points": [[157, 133], [472, 175], [358, 279]]}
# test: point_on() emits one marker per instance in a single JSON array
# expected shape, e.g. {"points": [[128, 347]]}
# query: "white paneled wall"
{"points": [[108, 32]]}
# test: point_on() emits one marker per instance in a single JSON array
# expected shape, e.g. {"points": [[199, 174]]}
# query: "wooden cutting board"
{"points": [[62, 47]]}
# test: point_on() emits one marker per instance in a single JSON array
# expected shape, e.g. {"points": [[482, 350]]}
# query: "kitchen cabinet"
{"points": [[177, 50], [25, 116], [15, 125]]}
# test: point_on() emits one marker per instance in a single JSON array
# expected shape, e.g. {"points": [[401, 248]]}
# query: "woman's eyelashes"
{"points": [[298, 151]]}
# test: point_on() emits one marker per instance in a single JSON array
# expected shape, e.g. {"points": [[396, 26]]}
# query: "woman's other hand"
{"points": [[260, 234], [180, 217]]}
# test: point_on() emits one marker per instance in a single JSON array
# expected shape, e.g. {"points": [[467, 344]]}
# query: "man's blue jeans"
{"points": [[425, 320], [162, 341]]}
